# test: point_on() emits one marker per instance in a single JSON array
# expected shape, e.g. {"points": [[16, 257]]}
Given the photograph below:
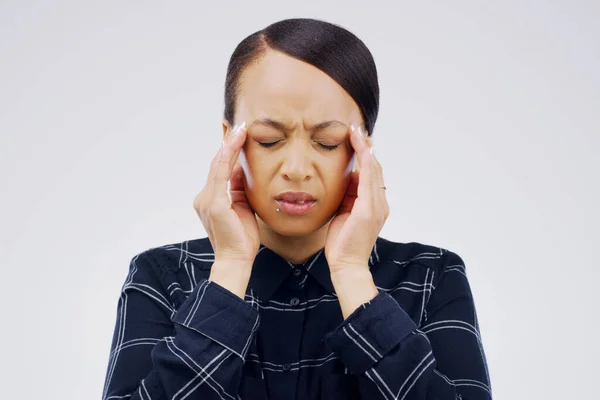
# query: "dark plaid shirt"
{"points": [[180, 336]]}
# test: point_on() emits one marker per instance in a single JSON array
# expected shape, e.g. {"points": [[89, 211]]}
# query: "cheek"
{"points": [[337, 175]]}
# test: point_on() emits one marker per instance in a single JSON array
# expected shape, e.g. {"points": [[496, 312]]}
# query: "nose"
{"points": [[297, 164]]}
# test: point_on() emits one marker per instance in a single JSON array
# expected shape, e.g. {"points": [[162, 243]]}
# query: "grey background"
{"points": [[488, 135]]}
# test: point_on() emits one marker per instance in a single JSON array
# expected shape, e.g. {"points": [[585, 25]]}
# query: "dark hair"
{"points": [[329, 47]]}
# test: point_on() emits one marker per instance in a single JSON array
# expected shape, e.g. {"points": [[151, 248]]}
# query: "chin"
{"points": [[293, 226], [296, 229]]}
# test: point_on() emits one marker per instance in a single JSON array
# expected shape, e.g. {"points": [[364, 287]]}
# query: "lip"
{"points": [[295, 208], [295, 196]]}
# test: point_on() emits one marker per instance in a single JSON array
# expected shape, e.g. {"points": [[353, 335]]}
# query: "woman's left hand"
{"points": [[364, 209]]}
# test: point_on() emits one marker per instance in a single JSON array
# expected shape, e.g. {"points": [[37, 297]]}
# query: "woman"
{"points": [[293, 295]]}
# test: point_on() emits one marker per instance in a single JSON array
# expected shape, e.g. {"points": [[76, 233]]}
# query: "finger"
{"points": [[363, 156], [350, 195], [377, 172], [236, 182], [203, 198], [376, 164], [226, 161], [237, 189], [381, 207], [213, 168]]}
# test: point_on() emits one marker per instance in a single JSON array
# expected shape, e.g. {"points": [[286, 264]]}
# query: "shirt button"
{"points": [[287, 367], [295, 301], [297, 272]]}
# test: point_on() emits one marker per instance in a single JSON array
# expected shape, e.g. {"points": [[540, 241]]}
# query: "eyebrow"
{"points": [[286, 128]]}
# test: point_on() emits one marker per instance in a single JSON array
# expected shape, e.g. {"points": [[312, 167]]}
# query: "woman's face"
{"points": [[283, 101]]}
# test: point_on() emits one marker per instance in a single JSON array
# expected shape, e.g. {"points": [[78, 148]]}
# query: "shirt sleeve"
{"points": [[194, 352], [396, 359]]}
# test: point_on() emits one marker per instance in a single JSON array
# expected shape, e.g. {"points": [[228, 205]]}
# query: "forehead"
{"points": [[280, 86]]}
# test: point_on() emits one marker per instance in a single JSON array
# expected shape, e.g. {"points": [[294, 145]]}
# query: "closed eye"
{"points": [[269, 144], [324, 146]]}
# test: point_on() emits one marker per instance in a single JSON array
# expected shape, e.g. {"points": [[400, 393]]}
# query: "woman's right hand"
{"points": [[230, 224]]}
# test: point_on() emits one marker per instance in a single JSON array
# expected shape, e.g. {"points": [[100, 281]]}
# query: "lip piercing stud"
{"points": [[277, 210]]}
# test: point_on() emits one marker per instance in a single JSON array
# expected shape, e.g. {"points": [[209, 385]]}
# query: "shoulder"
{"points": [[155, 263], [416, 255]]}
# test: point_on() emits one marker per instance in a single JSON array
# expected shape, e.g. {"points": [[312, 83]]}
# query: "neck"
{"points": [[295, 249]]}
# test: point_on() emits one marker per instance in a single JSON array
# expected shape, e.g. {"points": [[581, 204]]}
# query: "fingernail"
{"points": [[238, 129]]}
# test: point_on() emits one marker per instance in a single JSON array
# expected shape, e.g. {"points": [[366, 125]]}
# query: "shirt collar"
{"points": [[318, 268], [270, 270]]}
